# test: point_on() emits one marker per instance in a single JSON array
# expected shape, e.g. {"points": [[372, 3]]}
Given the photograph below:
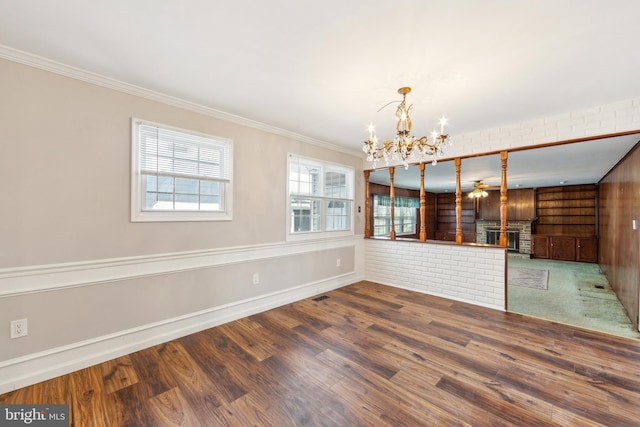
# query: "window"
{"points": [[405, 215], [320, 198], [179, 175]]}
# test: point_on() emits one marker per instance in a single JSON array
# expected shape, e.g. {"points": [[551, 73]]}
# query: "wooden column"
{"points": [[503, 200], [458, 203], [367, 206], [392, 194], [423, 207]]}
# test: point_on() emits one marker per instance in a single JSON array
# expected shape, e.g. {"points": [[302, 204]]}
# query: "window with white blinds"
{"points": [[179, 175]]}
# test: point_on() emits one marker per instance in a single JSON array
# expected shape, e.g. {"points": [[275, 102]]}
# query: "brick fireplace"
{"points": [[515, 229]]}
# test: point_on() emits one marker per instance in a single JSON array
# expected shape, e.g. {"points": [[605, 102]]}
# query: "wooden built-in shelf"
{"points": [[567, 211]]}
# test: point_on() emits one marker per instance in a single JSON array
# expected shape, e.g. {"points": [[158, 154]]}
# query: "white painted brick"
{"points": [[474, 293], [512, 141], [593, 125], [480, 138], [620, 105], [609, 125], [466, 275], [486, 300], [586, 111], [509, 128], [569, 125], [455, 275], [632, 126], [576, 124], [540, 139], [522, 131], [625, 115], [603, 115], [551, 121], [491, 133], [536, 124], [476, 284]]}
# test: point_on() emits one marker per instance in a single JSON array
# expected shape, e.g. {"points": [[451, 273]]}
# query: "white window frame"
{"points": [[322, 233], [139, 214]]}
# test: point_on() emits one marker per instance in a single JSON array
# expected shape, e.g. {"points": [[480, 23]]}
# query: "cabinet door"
{"points": [[586, 249], [539, 246], [563, 248]]}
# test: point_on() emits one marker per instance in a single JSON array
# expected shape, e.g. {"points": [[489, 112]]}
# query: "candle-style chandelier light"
{"points": [[405, 146]]}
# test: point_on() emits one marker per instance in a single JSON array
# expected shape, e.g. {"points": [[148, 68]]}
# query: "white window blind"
{"points": [[179, 175], [166, 152]]}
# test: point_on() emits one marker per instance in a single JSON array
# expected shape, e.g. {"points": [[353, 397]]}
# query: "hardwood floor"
{"points": [[368, 355]]}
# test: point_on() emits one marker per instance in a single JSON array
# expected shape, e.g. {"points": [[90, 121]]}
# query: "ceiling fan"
{"points": [[479, 190]]}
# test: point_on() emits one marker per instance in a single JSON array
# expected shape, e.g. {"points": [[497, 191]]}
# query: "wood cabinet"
{"points": [[586, 249], [564, 248], [540, 246]]}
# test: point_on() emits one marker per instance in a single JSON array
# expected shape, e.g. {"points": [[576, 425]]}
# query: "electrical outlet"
{"points": [[256, 279], [338, 262], [19, 328]]}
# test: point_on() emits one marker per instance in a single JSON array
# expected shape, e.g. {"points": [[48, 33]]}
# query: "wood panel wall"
{"points": [[619, 205], [520, 205]]}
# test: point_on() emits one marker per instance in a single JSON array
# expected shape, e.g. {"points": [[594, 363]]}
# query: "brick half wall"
{"points": [[466, 273]]}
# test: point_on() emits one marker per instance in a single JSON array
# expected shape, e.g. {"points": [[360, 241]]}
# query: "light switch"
{"points": [[634, 224]]}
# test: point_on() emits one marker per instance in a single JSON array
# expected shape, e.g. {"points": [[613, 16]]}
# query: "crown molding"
{"points": [[52, 66]]}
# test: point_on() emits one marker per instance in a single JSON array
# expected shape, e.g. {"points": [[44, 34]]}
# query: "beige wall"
{"points": [[65, 173], [84, 275]]}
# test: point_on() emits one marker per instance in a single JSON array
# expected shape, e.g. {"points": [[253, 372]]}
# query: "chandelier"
{"points": [[405, 146]]}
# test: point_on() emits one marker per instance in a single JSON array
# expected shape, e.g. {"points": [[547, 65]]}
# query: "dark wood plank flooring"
{"points": [[369, 355]]}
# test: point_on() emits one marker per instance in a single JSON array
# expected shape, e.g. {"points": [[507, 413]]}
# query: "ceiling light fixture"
{"points": [[477, 193], [405, 146], [479, 190]]}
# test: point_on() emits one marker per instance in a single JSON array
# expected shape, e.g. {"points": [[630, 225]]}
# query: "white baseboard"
{"points": [[27, 370]]}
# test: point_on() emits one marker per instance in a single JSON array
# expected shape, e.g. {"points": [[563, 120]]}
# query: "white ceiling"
{"points": [[323, 68]]}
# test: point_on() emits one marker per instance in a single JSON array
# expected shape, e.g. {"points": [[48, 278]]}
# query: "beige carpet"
{"points": [[528, 277]]}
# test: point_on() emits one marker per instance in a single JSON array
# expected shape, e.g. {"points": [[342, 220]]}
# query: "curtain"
{"points": [[399, 202]]}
